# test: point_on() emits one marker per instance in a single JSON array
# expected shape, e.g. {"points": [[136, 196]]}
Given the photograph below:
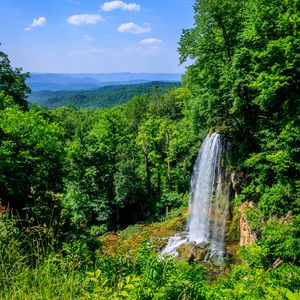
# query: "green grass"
{"points": [[45, 281]]}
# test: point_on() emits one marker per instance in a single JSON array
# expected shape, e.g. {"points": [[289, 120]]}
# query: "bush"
{"points": [[280, 239], [169, 201]]}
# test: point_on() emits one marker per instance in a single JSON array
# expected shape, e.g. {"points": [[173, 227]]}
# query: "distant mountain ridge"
{"points": [[88, 81], [106, 96]]}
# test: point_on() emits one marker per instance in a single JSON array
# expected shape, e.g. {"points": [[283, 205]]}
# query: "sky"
{"points": [[92, 36]]}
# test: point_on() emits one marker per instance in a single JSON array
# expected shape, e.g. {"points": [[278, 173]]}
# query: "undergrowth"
{"points": [[76, 271]]}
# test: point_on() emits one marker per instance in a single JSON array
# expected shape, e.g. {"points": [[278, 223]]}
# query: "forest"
{"points": [[107, 96], [89, 196]]}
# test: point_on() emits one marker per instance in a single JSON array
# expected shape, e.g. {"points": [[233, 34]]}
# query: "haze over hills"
{"points": [[106, 96], [88, 81]]}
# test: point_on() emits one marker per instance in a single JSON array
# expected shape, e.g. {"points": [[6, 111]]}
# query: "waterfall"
{"points": [[208, 202]]}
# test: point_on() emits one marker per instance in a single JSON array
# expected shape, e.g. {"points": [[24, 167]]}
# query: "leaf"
{"points": [[124, 294], [129, 286], [97, 273], [120, 286]]}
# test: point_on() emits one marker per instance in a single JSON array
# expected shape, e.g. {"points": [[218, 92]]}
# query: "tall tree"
{"points": [[245, 78], [216, 81], [12, 81], [31, 162]]}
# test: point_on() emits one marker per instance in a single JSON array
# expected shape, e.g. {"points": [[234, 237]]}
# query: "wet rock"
{"points": [[202, 245], [215, 260], [185, 251], [194, 252], [200, 254]]}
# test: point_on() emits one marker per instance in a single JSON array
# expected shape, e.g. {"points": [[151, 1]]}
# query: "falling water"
{"points": [[208, 202]]}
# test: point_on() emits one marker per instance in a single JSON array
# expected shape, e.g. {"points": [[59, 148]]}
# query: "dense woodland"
{"points": [[68, 176], [106, 96]]}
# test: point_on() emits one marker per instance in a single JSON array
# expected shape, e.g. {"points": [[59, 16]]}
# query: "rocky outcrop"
{"points": [[236, 181], [194, 252], [247, 237]]}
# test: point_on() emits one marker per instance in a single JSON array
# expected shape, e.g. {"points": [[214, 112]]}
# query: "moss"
{"points": [[131, 230], [129, 240], [234, 228]]}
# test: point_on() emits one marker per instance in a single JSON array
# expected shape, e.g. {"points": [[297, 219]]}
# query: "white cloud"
{"points": [[112, 5], [36, 22], [84, 19], [134, 28], [41, 21], [149, 46], [88, 38], [150, 41]]}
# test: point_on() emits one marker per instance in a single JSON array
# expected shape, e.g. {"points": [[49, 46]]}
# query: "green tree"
{"points": [[12, 81], [245, 79], [31, 162], [130, 199], [211, 44]]}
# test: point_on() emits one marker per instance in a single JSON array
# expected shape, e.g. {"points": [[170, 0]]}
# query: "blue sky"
{"points": [[79, 36]]}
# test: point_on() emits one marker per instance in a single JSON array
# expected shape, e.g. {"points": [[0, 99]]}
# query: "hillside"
{"points": [[104, 97], [87, 81]]}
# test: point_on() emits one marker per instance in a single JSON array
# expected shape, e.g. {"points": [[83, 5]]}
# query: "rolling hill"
{"points": [[106, 96], [88, 81]]}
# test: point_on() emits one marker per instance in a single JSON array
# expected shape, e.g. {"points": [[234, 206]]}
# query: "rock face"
{"points": [[247, 237], [200, 253], [236, 181]]}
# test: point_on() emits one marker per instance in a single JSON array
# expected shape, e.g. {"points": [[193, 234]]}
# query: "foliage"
{"points": [[147, 277], [280, 239], [124, 163], [170, 201], [107, 96], [275, 170], [31, 157], [256, 283], [12, 82]]}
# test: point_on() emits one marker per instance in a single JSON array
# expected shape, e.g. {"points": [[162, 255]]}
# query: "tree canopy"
{"points": [[12, 82], [245, 79]]}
